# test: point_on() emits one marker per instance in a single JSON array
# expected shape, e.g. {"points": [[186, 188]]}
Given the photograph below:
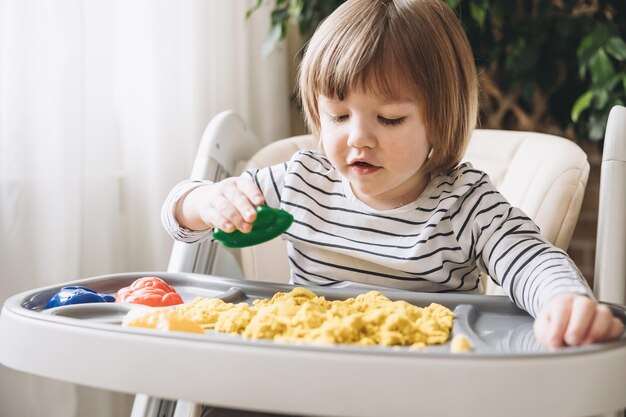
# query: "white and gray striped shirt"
{"points": [[459, 226]]}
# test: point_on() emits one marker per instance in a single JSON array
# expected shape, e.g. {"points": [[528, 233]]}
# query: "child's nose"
{"points": [[361, 135]]}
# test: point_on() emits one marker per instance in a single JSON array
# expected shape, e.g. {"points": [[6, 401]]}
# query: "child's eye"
{"points": [[390, 122], [337, 119]]}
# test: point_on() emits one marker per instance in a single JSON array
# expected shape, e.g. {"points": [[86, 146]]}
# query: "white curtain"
{"points": [[102, 105]]}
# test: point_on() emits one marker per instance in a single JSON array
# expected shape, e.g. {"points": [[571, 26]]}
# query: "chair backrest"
{"points": [[610, 267], [544, 175]]}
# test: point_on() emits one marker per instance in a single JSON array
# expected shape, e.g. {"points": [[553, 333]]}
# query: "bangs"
{"points": [[377, 60], [370, 69]]}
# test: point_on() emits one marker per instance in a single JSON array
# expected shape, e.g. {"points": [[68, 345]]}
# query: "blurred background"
{"points": [[103, 104]]}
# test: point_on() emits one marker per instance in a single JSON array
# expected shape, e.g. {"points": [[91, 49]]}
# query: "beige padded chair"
{"points": [[544, 175]]}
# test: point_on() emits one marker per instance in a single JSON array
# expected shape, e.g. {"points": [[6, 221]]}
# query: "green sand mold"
{"points": [[270, 222]]}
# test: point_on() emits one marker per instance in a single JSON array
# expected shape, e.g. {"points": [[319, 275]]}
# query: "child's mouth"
{"points": [[362, 167]]}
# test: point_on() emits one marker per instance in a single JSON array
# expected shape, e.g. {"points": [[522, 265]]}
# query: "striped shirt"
{"points": [[459, 227]]}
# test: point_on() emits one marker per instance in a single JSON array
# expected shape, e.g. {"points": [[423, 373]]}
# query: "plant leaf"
{"points": [[616, 47], [478, 13], [597, 126], [254, 8], [612, 82], [600, 99], [585, 49], [601, 68], [272, 39], [295, 9], [591, 43], [581, 104]]}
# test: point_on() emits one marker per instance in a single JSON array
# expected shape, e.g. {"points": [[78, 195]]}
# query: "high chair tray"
{"points": [[86, 344]]}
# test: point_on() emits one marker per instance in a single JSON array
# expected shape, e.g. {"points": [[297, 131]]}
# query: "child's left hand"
{"points": [[573, 319]]}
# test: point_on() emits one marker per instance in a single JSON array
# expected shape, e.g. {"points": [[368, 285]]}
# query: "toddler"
{"points": [[390, 89]]}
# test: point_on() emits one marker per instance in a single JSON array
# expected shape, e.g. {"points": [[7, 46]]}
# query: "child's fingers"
{"points": [[225, 208], [600, 327], [250, 190], [243, 205], [616, 330], [212, 217], [583, 311], [541, 325], [559, 319]]}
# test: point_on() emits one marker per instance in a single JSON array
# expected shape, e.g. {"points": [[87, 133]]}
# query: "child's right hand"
{"points": [[226, 205]]}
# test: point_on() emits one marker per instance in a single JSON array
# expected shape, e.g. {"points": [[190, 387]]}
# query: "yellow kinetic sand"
{"points": [[460, 344], [302, 316], [163, 319]]}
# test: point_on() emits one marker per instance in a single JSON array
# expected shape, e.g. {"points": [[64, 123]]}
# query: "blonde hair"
{"points": [[364, 41]]}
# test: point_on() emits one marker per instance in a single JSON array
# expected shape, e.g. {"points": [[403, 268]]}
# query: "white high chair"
{"points": [[213, 368]]}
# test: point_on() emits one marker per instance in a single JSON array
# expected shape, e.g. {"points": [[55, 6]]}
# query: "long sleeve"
{"points": [[168, 209], [508, 247]]}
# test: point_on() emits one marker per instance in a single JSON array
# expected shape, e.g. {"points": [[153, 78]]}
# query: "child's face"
{"points": [[378, 144]]}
